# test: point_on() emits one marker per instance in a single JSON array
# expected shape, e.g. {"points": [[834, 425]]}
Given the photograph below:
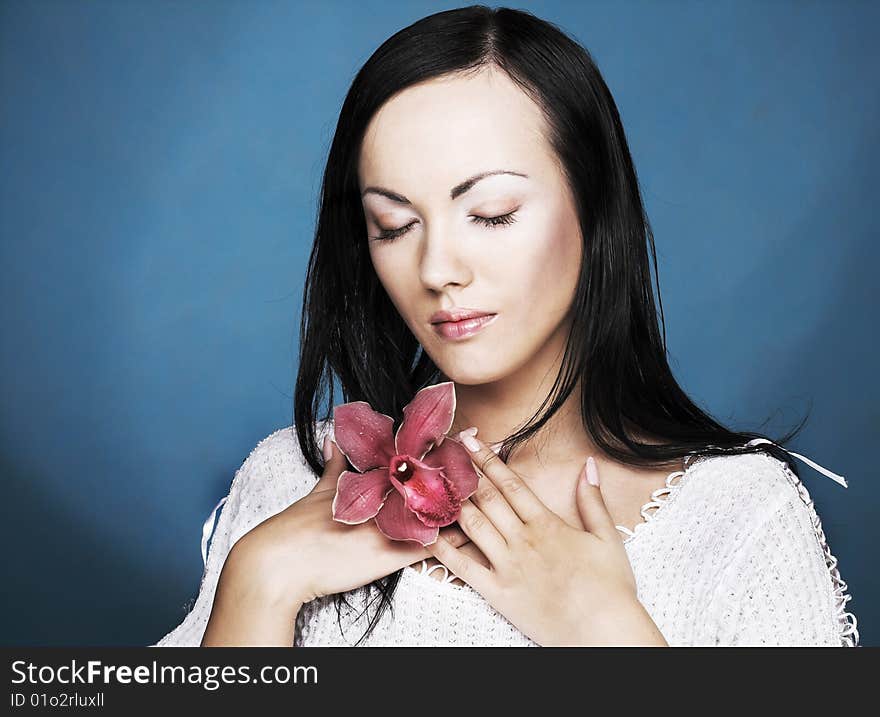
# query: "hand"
{"points": [[557, 584], [301, 553]]}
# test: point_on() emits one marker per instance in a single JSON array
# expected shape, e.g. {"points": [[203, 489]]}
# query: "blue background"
{"points": [[160, 170]]}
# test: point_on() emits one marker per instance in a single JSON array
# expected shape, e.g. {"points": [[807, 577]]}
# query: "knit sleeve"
{"points": [[783, 587], [272, 477]]}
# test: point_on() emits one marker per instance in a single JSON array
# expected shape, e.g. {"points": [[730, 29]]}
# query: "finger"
{"points": [[454, 535], [462, 565], [514, 489], [591, 504], [495, 507], [482, 533]]}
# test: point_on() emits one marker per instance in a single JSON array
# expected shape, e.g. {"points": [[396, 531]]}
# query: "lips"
{"points": [[459, 330], [457, 315]]}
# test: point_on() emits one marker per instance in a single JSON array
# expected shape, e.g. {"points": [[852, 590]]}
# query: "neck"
{"points": [[499, 408]]}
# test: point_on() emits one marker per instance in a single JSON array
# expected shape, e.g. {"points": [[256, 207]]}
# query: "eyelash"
{"points": [[489, 222]]}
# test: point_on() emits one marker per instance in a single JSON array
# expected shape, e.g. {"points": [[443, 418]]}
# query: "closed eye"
{"points": [[504, 219], [491, 222]]}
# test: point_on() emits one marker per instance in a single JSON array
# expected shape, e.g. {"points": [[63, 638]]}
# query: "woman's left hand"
{"points": [[556, 584]]}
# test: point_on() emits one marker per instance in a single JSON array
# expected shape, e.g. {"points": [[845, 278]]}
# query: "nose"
{"points": [[442, 260]]}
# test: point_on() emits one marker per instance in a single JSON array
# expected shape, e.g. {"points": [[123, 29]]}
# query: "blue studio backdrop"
{"points": [[160, 171]]}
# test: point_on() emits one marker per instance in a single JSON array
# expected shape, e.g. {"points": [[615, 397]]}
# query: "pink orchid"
{"points": [[413, 483]]}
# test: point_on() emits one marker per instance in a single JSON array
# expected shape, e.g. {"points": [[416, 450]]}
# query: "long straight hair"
{"points": [[351, 332]]}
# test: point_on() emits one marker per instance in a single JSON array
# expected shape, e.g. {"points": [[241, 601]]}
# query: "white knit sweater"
{"points": [[731, 552]]}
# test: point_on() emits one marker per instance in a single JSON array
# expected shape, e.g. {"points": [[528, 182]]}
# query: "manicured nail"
{"points": [[327, 449], [469, 441], [592, 473]]}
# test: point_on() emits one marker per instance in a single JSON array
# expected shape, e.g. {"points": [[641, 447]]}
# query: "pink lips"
{"points": [[457, 330], [457, 314]]}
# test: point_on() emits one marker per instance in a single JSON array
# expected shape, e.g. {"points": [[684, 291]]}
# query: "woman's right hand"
{"points": [[301, 553]]}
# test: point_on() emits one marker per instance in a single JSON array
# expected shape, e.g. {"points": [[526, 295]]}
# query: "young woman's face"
{"points": [[508, 244]]}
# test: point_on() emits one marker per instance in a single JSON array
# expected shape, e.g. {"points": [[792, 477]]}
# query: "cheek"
{"points": [[543, 273], [384, 261], [397, 282]]}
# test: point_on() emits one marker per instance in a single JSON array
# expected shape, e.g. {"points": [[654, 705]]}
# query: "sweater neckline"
{"points": [[660, 498], [446, 583]]}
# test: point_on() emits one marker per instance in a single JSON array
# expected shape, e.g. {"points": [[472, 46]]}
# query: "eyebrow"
{"points": [[454, 193]]}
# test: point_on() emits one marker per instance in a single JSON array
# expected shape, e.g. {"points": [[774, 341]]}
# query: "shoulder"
{"points": [[274, 475], [755, 483], [780, 584], [728, 500]]}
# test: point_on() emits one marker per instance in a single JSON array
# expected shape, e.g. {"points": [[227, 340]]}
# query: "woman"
{"points": [[479, 167]]}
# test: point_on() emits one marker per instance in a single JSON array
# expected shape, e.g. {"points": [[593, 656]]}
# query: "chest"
{"points": [[624, 493]]}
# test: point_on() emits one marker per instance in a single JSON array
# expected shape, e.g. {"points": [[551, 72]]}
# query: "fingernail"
{"points": [[327, 449], [592, 473], [469, 442]]}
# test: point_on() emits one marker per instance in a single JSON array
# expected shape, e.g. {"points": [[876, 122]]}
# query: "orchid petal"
{"points": [[455, 460], [359, 496], [363, 435], [426, 419], [398, 522], [428, 493]]}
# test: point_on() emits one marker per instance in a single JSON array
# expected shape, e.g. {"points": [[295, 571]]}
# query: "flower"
{"points": [[412, 483]]}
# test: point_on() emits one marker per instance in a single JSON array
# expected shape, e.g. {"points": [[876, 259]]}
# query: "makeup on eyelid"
{"points": [[490, 214], [494, 222]]}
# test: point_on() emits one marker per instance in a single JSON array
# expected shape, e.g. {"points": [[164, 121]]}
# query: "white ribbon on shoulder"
{"points": [[208, 528], [833, 476]]}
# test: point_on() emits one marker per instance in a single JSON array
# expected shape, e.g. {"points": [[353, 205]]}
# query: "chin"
{"points": [[471, 374]]}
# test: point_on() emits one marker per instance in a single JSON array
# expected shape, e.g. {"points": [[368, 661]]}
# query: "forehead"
{"points": [[439, 132]]}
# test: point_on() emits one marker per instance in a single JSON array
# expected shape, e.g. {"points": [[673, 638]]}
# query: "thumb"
{"points": [[335, 463], [591, 505]]}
